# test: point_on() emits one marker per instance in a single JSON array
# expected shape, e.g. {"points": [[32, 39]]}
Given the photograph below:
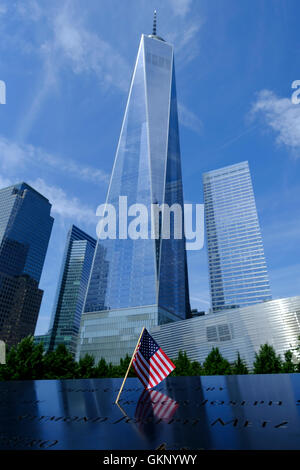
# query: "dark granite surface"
{"points": [[220, 412]]}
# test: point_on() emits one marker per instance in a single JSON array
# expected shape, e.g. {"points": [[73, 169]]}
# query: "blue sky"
{"points": [[67, 67]]}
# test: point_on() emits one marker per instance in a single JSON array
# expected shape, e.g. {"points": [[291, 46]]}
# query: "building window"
{"points": [[218, 333], [211, 333]]}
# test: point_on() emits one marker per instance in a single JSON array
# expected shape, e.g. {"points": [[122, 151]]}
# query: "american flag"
{"points": [[154, 403], [150, 362]]}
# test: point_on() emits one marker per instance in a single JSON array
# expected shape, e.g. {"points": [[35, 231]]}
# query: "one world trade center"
{"points": [[143, 281]]}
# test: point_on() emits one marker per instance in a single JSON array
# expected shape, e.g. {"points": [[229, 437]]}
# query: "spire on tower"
{"points": [[154, 35], [154, 24]]}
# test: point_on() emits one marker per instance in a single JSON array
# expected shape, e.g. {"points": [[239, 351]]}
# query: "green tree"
{"points": [[239, 366], [113, 371], [216, 364], [288, 366], [124, 364], [118, 370], [182, 363], [59, 364], [24, 361], [196, 368], [266, 361], [101, 370], [85, 368], [184, 366]]}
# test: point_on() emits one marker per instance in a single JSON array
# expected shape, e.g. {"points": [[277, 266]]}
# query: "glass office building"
{"points": [[71, 291], [237, 265], [20, 301], [25, 228], [141, 280]]}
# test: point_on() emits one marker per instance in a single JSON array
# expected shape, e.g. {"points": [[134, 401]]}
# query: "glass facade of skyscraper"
{"points": [[25, 228], [71, 289], [24, 220], [20, 301], [147, 169], [237, 265], [133, 273]]}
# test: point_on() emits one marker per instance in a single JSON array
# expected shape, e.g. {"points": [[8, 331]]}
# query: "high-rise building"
{"points": [[20, 301], [25, 228], [25, 219], [141, 282], [71, 290], [237, 266]]}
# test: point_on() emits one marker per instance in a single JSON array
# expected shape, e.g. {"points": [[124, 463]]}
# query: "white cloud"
{"points": [[184, 31], [180, 7], [70, 44], [188, 119], [30, 10], [86, 51], [49, 82], [64, 206], [189, 33], [281, 115], [70, 167], [14, 156]]}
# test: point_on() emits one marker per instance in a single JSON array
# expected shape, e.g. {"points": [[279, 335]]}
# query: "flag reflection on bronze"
{"points": [[155, 404]]}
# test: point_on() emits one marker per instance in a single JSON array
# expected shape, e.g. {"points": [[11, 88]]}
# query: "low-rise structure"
{"points": [[243, 330]]}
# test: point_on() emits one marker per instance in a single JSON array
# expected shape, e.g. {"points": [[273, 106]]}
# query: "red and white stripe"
{"points": [[162, 406], [153, 372]]}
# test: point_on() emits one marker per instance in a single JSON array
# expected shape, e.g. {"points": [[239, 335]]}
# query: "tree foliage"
{"points": [[101, 370], [267, 361], [186, 367], [288, 366], [86, 367], [24, 362], [215, 364], [60, 364], [28, 361], [239, 366]]}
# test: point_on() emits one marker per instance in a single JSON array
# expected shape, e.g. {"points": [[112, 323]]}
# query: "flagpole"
{"points": [[130, 421], [129, 366]]}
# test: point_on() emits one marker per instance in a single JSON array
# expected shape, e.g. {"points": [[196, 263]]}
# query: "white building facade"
{"points": [[243, 330]]}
